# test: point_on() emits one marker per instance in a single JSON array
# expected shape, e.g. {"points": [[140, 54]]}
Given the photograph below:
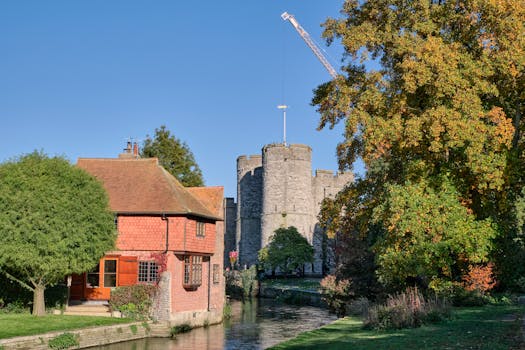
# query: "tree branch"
{"points": [[13, 278]]}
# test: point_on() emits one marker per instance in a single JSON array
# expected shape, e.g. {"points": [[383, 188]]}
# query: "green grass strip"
{"points": [[489, 327], [14, 325]]}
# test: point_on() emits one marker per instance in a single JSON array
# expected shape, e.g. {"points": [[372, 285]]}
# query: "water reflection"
{"points": [[254, 325]]}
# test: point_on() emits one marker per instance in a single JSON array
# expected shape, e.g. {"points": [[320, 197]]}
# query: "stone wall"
{"points": [[230, 243], [249, 193], [87, 337]]}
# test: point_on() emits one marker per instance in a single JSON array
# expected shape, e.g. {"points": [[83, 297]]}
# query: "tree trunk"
{"points": [[39, 306]]}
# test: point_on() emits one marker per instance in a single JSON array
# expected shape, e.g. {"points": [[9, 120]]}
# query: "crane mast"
{"points": [[306, 37]]}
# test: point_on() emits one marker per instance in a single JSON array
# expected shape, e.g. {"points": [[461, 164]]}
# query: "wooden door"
{"points": [[101, 279]]}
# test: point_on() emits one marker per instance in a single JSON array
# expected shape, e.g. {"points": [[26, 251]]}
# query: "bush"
{"points": [[63, 341], [16, 307], [133, 301], [249, 282], [336, 293], [242, 284], [227, 310], [407, 310], [183, 328], [479, 278]]}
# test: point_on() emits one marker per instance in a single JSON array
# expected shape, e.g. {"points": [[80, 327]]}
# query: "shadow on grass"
{"points": [[470, 328]]}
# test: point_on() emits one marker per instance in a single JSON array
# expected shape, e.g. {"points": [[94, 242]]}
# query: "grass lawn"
{"points": [[489, 327], [14, 325]]}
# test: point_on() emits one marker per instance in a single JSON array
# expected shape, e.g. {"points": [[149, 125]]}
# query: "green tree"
{"points": [[441, 99], [287, 251], [428, 235], [175, 156], [54, 221]]}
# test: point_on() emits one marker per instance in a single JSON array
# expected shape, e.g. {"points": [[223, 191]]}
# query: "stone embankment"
{"points": [[292, 295], [89, 337]]}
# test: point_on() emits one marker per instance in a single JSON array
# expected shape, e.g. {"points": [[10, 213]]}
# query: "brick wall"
{"points": [[149, 233]]}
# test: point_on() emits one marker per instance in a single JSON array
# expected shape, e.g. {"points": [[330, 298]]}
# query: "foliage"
{"points": [[249, 281], [133, 301], [54, 221], [480, 278], [242, 284], [183, 328], [428, 234], [287, 251], [408, 309], [174, 156], [233, 284], [227, 310], [336, 293], [15, 307], [63, 341], [440, 98]]}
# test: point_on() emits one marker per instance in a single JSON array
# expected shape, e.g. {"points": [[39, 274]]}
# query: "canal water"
{"points": [[254, 325]]}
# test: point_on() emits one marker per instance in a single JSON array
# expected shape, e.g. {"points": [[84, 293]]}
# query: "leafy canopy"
{"points": [[287, 251], [428, 234], [54, 220], [439, 101], [174, 155]]}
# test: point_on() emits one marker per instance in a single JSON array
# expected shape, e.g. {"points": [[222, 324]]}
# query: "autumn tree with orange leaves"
{"points": [[431, 95]]}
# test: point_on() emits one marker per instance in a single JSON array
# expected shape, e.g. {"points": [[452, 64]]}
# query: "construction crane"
{"points": [[306, 37]]}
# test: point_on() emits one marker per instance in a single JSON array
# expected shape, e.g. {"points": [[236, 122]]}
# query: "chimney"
{"points": [[135, 150], [127, 151]]}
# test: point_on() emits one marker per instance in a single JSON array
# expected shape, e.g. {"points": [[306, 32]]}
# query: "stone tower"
{"points": [[277, 190], [249, 193]]}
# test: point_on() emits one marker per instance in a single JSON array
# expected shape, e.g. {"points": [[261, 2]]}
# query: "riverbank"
{"points": [[85, 337], [488, 327]]}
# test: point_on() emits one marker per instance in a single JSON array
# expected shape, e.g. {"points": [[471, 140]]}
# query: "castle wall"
{"points": [[249, 194], [325, 184]]}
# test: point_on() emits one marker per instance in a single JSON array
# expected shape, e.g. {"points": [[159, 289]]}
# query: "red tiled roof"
{"points": [[143, 186], [211, 197]]}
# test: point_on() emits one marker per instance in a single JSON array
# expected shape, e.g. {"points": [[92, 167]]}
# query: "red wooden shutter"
{"points": [[127, 270]]}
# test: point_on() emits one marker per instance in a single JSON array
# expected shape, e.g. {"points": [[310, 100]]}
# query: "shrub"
{"points": [[241, 284], [336, 293], [16, 307], [227, 310], [183, 328], [408, 309], [133, 301], [479, 278], [249, 282], [63, 341]]}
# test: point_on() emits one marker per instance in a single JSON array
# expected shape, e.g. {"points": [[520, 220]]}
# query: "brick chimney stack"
{"points": [[135, 150]]}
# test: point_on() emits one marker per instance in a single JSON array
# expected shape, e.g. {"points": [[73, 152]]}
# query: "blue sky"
{"points": [[77, 78]]}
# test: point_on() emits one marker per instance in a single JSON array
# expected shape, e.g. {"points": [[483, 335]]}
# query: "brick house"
{"points": [[162, 227]]}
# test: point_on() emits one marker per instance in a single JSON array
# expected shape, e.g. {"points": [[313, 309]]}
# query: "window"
{"points": [[148, 271], [93, 277], [192, 271], [201, 229], [216, 275], [110, 273]]}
